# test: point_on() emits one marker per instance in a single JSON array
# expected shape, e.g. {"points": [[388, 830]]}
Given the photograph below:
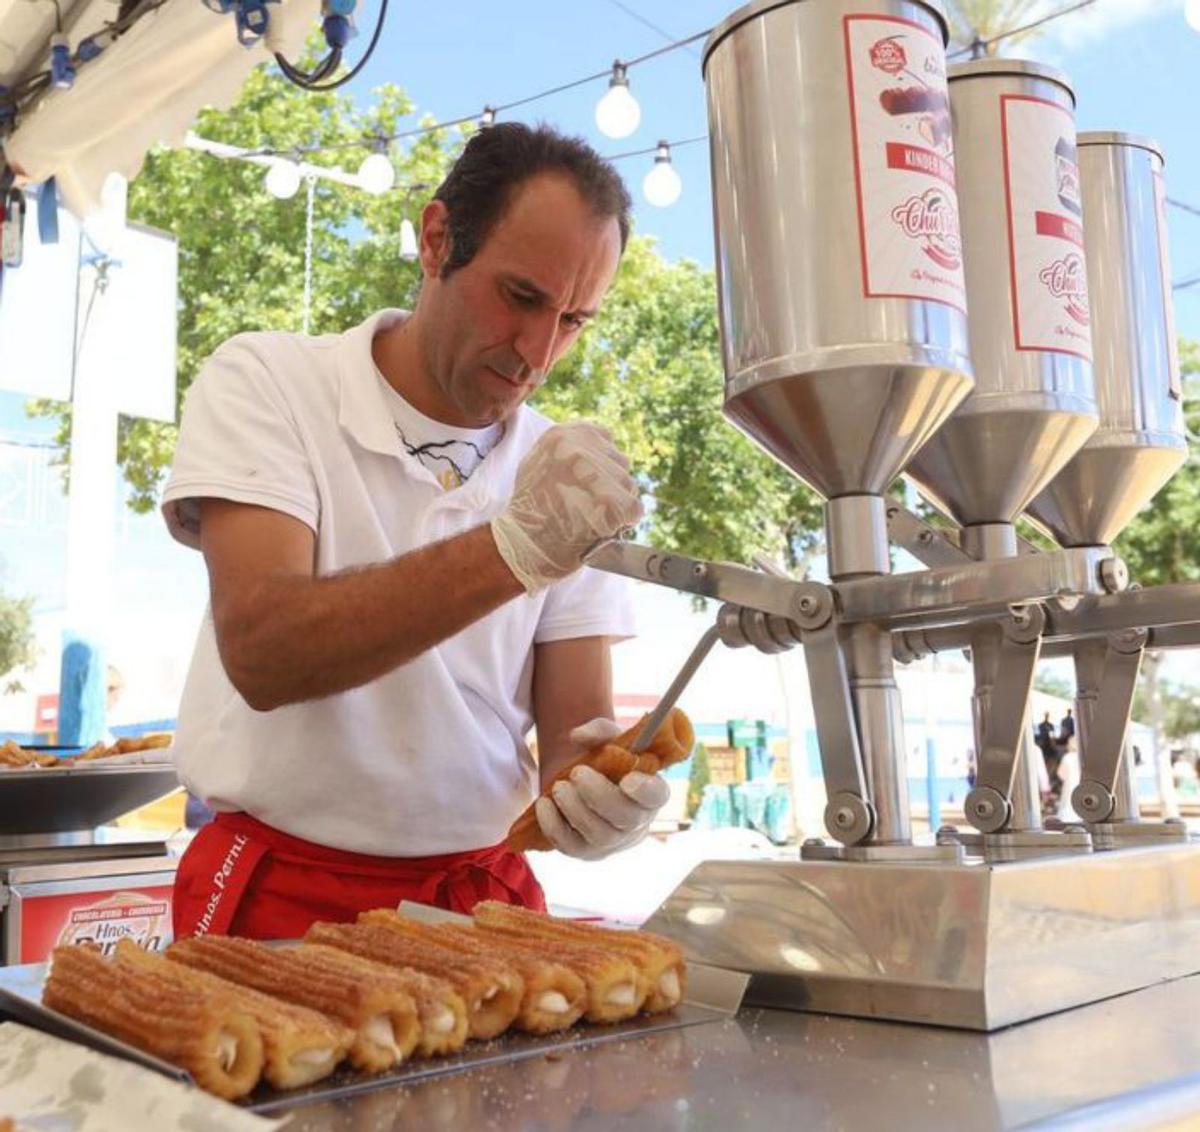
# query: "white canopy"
{"points": [[145, 89]]}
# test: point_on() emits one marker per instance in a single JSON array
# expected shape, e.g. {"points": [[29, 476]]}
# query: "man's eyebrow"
{"points": [[529, 285]]}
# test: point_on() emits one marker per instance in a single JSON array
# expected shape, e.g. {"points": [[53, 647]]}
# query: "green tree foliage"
{"points": [[649, 367], [1162, 544], [1051, 684], [17, 648], [983, 19]]}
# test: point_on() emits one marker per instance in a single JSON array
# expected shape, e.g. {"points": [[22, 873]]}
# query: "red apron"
{"points": [[241, 877]]}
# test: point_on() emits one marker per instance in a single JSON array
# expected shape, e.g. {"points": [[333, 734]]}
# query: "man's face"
{"points": [[490, 333]]}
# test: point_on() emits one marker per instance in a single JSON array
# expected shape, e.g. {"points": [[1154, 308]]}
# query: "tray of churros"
{"points": [[393, 997]]}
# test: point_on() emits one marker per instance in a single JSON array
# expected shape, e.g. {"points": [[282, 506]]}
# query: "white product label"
{"points": [[903, 161], [1164, 268], [1045, 227]]}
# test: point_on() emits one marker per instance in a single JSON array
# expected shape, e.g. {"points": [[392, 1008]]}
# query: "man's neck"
{"points": [[397, 355]]}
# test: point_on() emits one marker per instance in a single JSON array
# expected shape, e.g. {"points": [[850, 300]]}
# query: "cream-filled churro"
{"points": [[207, 1034]]}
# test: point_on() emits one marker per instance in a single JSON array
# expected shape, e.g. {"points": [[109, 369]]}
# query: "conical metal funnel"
{"points": [[1140, 443], [1033, 404], [838, 260]]}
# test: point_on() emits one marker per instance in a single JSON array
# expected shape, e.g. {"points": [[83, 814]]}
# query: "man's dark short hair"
{"points": [[498, 160]]}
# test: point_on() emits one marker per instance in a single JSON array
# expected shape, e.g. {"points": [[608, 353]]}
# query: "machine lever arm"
{"points": [[989, 805], [1100, 753], [849, 815]]}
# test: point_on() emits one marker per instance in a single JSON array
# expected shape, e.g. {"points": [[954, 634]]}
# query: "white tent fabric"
{"points": [[145, 89]]}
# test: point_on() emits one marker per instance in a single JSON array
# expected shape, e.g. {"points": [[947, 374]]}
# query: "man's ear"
{"points": [[435, 238]]}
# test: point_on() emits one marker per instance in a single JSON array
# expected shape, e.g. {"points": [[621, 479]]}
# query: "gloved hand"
{"points": [[589, 816], [573, 490]]}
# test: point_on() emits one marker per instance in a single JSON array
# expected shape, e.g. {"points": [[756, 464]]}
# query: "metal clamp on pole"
{"points": [[1100, 754], [988, 805]]}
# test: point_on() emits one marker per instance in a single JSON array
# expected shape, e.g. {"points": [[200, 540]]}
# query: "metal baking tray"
{"points": [[713, 994], [61, 800]]}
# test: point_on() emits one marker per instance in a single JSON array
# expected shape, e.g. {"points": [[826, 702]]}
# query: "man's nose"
{"points": [[536, 340]]}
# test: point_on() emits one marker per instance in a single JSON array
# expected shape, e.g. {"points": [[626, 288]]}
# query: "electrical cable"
{"points": [[1001, 36], [316, 84]]}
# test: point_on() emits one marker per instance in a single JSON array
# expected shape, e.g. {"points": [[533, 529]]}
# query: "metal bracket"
{"points": [[849, 815], [1021, 845], [1093, 798], [966, 592], [925, 543], [988, 807], [944, 852]]}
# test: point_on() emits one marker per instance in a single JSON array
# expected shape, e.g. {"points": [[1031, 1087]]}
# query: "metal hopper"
{"points": [[1033, 404], [841, 292], [1140, 443]]}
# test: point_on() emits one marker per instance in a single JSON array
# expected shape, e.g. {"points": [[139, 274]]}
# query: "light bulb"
{"points": [[1191, 13], [376, 174], [408, 241], [618, 113], [283, 179], [662, 185]]}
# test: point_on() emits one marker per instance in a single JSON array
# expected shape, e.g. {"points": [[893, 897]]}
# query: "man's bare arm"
{"points": [[286, 636], [572, 684]]}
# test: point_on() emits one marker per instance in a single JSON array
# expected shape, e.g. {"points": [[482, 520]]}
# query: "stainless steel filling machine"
{"points": [[926, 271]]}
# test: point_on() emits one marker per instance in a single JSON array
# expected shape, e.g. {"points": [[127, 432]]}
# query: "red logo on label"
{"points": [[888, 56], [932, 219], [1066, 279]]}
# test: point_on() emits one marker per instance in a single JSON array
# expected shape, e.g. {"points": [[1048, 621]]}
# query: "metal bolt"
{"points": [[1090, 801], [699, 570], [843, 818], [814, 843], [984, 808], [925, 536], [947, 831], [1174, 821], [807, 605], [1114, 575]]}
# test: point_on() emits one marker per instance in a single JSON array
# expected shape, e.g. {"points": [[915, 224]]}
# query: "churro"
{"points": [[672, 743], [555, 996], [300, 1045], [440, 1009], [659, 959], [491, 989], [380, 1010], [202, 1032]]}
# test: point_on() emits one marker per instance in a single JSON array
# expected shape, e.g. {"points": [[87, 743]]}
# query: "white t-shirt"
{"points": [[431, 757]]}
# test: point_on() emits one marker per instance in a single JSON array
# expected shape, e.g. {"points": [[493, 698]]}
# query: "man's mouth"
{"points": [[516, 383]]}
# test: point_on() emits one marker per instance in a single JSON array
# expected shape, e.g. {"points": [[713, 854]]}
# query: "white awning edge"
{"points": [[145, 90]]}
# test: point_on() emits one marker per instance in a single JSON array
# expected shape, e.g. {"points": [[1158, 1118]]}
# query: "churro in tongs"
{"points": [[670, 742], [380, 1009], [555, 996], [659, 959], [491, 988], [300, 1045], [207, 1034], [440, 1008]]}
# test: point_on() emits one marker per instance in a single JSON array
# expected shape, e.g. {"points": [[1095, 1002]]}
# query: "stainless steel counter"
{"points": [[1131, 1062]]}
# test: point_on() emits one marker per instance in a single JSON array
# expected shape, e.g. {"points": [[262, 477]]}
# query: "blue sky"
{"points": [[1135, 66]]}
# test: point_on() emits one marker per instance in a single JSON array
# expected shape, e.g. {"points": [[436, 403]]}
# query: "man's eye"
{"points": [[523, 299], [575, 321]]}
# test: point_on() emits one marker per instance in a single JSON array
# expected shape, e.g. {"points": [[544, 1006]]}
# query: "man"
{"points": [[394, 544], [1050, 753]]}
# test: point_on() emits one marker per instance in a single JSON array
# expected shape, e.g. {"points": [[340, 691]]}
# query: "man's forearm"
{"points": [[290, 638]]}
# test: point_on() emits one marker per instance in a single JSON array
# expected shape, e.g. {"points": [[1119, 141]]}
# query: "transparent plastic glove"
{"points": [[573, 490], [591, 817]]}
